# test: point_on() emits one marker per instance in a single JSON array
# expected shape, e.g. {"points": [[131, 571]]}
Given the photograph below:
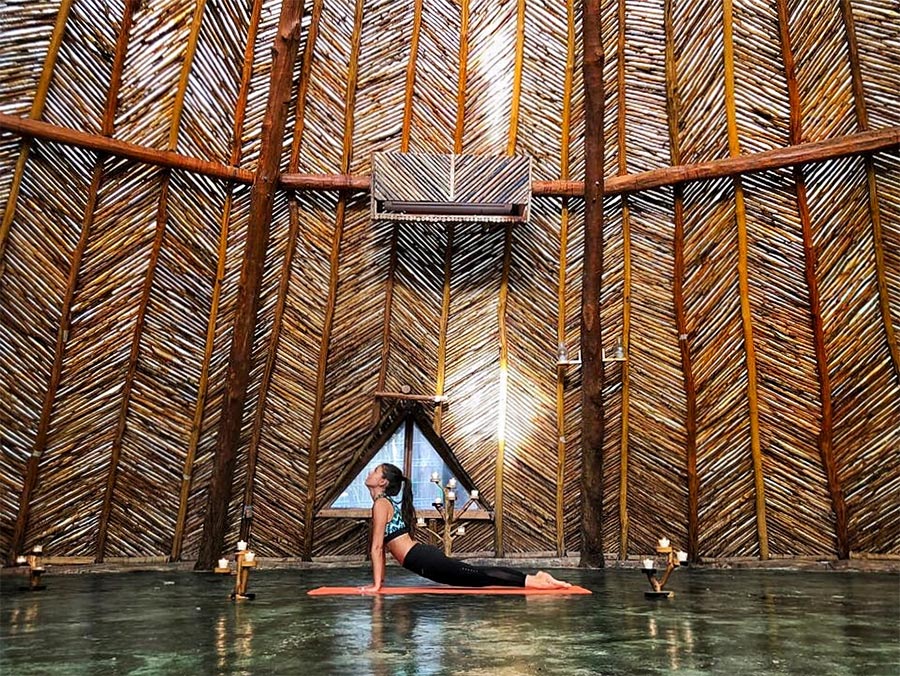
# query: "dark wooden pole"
{"points": [[592, 272], [261, 197]]}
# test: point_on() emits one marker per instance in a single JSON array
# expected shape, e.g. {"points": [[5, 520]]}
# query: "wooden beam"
{"points": [[316, 427], [517, 79], [386, 326], [62, 334], [805, 153], [592, 420], [826, 434], [262, 195], [37, 109], [461, 81], [499, 549], [161, 218], [434, 399], [160, 158], [744, 286], [178, 107], [309, 50], [411, 76], [137, 333], [673, 114], [395, 229], [187, 474], [862, 123], [622, 164], [285, 279], [503, 334], [561, 282], [863, 143], [442, 330], [268, 371], [40, 444]]}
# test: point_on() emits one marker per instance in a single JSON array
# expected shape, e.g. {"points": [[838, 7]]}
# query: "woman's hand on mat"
{"points": [[370, 589]]}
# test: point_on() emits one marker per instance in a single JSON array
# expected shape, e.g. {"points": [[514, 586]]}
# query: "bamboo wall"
{"points": [[766, 354]]}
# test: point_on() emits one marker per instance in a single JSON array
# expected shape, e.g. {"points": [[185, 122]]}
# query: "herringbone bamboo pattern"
{"points": [[133, 353]]}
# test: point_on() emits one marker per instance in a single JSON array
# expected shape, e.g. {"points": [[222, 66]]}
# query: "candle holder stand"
{"points": [[35, 569], [449, 515], [244, 561], [672, 561]]}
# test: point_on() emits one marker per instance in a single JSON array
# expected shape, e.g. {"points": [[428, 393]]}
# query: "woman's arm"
{"points": [[381, 512]]}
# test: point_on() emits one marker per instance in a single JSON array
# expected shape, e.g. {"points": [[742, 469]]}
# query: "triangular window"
{"points": [[423, 460], [403, 437]]}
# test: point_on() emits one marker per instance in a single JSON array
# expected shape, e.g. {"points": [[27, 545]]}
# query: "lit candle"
{"points": [[435, 477], [21, 560], [664, 542], [249, 556], [461, 530], [420, 522], [241, 545], [451, 483], [474, 495], [439, 500], [223, 563], [648, 564], [682, 557], [38, 549], [451, 495]]}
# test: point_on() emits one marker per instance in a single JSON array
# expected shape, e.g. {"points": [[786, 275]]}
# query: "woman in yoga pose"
{"points": [[392, 524]]}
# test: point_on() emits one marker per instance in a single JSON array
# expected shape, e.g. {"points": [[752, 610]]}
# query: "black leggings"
{"points": [[430, 562]]}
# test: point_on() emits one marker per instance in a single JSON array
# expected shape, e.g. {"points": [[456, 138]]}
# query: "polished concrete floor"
{"points": [[719, 622]]}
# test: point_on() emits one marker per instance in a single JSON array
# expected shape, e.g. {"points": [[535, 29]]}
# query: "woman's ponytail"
{"points": [[407, 510]]}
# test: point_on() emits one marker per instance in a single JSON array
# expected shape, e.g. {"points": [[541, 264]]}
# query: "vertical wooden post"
{"points": [[162, 215], [442, 331], [621, 156], [502, 399], [826, 432], [461, 83], [744, 284], [862, 124], [561, 284], [591, 331], [503, 335], [261, 198], [331, 301], [673, 114], [187, 475]]}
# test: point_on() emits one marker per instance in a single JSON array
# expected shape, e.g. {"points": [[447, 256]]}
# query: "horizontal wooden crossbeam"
{"points": [[132, 151], [804, 153], [434, 399]]}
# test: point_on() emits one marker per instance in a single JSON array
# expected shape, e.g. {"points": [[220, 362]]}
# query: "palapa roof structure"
{"points": [[196, 309]]}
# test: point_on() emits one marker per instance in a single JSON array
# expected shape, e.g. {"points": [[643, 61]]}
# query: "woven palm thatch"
{"points": [[756, 413]]}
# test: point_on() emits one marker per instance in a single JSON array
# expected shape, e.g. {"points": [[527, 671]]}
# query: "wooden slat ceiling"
{"points": [[119, 279]]}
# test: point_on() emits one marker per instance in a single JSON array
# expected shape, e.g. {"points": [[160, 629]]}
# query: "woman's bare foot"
{"points": [[542, 580]]}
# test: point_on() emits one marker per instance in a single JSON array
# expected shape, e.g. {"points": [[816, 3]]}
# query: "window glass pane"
{"points": [[426, 460], [356, 494]]}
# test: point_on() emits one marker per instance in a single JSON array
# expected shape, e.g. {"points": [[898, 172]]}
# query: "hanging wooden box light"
{"points": [[431, 187]]}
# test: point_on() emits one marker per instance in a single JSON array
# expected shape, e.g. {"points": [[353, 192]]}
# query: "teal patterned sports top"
{"points": [[396, 526]]}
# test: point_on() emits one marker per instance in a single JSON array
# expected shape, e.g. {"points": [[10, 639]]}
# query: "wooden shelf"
{"points": [[432, 398]]}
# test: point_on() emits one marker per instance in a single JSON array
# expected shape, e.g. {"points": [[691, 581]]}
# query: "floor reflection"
{"points": [[736, 622]]}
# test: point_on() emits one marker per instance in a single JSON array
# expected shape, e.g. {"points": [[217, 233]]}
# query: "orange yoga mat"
{"points": [[356, 591]]}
